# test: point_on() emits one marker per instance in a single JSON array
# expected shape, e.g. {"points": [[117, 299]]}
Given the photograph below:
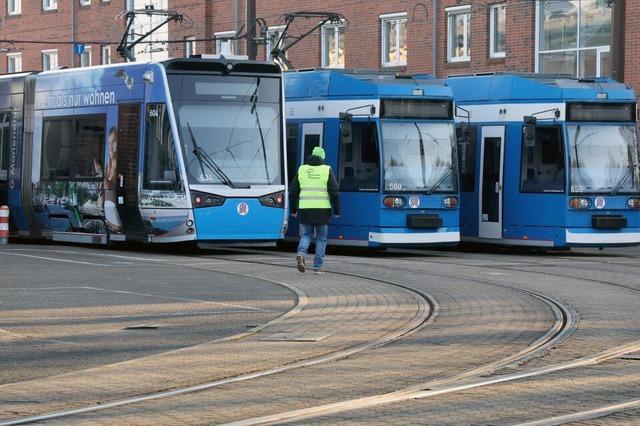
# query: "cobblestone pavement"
{"points": [[339, 312], [482, 316]]}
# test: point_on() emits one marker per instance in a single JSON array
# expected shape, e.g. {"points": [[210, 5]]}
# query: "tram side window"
{"points": [[73, 148], [466, 137], [543, 161], [359, 162], [5, 141], [89, 143], [292, 149], [160, 163]]}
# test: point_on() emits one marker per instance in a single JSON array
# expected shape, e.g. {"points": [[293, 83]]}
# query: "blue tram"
{"points": [[548, 161], [391, 141], [174, 151]]}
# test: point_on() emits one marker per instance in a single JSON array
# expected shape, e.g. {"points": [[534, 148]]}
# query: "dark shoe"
{"points": [[300, 263]]}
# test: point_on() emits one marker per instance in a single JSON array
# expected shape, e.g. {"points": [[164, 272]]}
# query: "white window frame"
{"points": [[577, 49], [189, 46], [222, 37], [105, 52], [492, 31], [50, 53], [451, 13], [85, 2], [49, 4], [397, 18], [17, 7], [86, 53], [269, 46], [336, 30], [17, 57]]}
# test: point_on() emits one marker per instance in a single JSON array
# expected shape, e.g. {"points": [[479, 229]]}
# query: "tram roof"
{"points": [[346, 83], [536, 87]]}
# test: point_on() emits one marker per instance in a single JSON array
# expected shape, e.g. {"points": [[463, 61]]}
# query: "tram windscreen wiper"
{"points": [[254, 110], [618, 186], [422, 158], [205, 160], [441, 179]]}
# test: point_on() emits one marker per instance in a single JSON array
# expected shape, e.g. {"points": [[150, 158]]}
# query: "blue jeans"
{"points": [[321, 242]]}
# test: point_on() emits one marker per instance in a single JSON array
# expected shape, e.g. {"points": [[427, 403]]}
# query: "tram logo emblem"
{"points": [[599, 202], [243, 209], [414, 201]]}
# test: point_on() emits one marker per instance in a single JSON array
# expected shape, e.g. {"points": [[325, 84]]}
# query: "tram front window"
{"points": [[604, 158], [230, 129], [419, 157]]}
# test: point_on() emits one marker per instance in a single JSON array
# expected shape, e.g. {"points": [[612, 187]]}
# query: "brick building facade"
{"points": [[470, 36]]}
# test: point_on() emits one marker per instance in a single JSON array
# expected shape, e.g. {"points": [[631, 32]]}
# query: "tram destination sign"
{"points": [[592, 111], [416, 109]]}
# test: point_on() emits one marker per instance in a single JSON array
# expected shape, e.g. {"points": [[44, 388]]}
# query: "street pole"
{"points": [[252, 47], [617, 42]]}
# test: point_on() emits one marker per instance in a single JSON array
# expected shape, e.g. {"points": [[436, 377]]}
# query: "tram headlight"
{"points": [[273, 200], [394, 202], [633, 203], [579, 203], [201, 199], [450, 202]]}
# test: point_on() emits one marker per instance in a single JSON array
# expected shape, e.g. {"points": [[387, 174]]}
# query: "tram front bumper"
{"points": [[393, 236], [589, 237], [239, 220]]}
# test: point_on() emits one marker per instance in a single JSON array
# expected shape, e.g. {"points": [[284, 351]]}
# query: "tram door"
{"points": [[128, 186], [491, 179], [311, 137]]}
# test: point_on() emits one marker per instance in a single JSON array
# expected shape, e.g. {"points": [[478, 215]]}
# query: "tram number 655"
{"points": [[394, 187]]}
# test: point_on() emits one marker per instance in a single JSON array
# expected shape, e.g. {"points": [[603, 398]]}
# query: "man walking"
{"points": [[312, 196]]}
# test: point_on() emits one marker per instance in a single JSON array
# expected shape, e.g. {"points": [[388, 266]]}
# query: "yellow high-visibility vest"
{"points": [[313, 187]]}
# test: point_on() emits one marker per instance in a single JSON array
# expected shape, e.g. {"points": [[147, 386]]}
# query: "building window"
{"points": [[333, 46], [225, 43], [14, 7], [189, 46], [85, 57], [14, 62], [498, 30], [106, 55], [49, 59], [49, 4], [573, 37], [85, 2], [459, 33], [543, 161], [394, 39], [274, 35]]}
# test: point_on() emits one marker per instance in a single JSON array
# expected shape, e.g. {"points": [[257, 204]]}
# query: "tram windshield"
{"points": [[419, 156], [230, 128], [604, 158]]}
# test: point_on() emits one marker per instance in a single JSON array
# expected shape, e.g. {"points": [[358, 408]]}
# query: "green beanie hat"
{"points": [[318, 152]]}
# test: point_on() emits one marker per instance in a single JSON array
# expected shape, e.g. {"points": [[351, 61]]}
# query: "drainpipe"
{"points": [[236, 12], [73, 33], [434, 38]]}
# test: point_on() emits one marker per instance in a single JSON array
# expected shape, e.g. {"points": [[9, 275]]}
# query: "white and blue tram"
{"points": [[548, 161], [391, 141], [173, 151]]}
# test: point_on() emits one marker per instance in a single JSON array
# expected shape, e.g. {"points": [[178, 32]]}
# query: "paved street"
{"points": [[465, 336]]}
